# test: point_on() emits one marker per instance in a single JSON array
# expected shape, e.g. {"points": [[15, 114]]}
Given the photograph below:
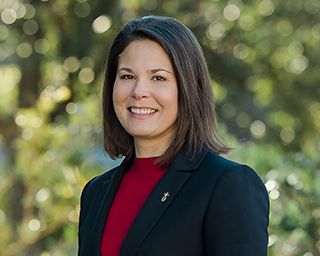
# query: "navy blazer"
{"points": [[216, 207]]}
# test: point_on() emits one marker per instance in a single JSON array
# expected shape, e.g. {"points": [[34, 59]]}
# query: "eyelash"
{"points": [[158, 78], [155, 78], [127, 77]]}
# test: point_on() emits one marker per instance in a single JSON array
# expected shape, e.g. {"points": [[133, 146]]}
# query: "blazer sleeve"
{"points": [[237, 218]]}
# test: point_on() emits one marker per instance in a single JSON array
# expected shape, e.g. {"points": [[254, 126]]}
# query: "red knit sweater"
{"points": [[135, 187]]}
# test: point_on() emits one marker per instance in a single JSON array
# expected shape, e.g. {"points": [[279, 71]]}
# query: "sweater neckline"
{"points": [[146, 165]]}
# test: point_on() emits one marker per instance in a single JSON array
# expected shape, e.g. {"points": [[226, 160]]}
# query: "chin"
{"points": [[140, 134]]}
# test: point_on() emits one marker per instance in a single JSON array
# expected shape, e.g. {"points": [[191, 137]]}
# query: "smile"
{"points": [[142, 111]]}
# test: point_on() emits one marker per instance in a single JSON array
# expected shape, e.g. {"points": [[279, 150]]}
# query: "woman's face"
{"points": [[145, 95]]}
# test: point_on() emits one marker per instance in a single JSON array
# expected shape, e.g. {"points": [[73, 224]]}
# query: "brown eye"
{"points": [[127, 77], [158, 78]]}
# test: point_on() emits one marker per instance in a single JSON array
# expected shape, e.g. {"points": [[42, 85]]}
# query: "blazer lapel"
{"points": [[171, 182], [107, 195]]}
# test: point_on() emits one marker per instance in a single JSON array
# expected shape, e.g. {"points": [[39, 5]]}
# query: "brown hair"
{"points": [[196, 122]]}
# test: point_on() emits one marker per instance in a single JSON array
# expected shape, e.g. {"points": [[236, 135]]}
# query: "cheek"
{"points": [[172, 99], [116, 99], [117, 96]]}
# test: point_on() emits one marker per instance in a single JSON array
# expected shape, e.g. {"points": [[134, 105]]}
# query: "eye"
{"points": [[158, 78], [127, 77]]}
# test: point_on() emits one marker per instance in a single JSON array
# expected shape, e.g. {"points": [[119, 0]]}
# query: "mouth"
{"points": [[142, 111]]}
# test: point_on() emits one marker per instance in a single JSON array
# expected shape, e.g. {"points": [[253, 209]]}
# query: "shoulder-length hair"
{"points": [[196, 122]]}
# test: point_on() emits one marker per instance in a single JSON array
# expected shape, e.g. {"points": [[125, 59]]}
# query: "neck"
{"points": [[147, 148]]}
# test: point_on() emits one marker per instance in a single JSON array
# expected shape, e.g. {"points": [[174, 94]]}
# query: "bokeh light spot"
{"points": [[49, 156], [61, 94], [258, 128], [59, 8], [240, 51], [71, 108], [7, 49], [287, 134], [101, 24], [41, 46], [284, 28], [10, 77], [42, 195], [271, 184], [73, 216], [231, 12], [128, 15], [247, 22], [228, 110], [20, 10], [272, 240], [272, 174], [4, 32], [24, 50], [296, 49], [27, 134], [71, 64], [86, 75], [87, 62], [36, 122], [149, 5], [73, 128], [298, 185], [2, 216], [312, 6], [82, 9], [243, 120], [30, 11], [215, 30], [298, 64], [86, 127], [60, 73], [34, 225], [316, 31], [30, 27], [212, 14], [292, 179], [14, 248], [8, 16], [274, 194], [191, 19], [304, 33], [20, 120], [266, 8]]}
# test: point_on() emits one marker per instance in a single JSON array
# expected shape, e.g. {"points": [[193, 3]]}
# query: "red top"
{"points": [[135, 187]]}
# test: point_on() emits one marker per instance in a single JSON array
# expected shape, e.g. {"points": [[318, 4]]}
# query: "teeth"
{"points": [[142, 111]]}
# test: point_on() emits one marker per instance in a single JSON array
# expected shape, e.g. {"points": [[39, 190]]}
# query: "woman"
{"points": [[173, 194]]}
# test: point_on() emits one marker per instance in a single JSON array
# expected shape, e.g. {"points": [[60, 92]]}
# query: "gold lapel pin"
{"points": [[165, 196]]}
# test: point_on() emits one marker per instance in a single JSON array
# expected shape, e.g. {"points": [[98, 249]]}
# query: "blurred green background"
{"points": [[263, 57]]}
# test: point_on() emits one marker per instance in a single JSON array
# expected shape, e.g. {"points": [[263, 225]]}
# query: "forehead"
{"points": [[144, 52]]}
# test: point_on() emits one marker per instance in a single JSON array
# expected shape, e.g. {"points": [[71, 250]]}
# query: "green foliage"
{"points": [[263, 58]]}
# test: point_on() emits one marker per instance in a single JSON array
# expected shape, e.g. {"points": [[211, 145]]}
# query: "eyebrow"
{"points": [[153, 71]]}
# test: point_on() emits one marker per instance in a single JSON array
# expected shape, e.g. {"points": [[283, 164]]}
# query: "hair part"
{"points": [[196, 121]]}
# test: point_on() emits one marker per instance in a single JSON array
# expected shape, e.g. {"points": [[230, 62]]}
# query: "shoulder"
{"points": [[92, 189], [229, 173], [212, 159], [238, 199], [217, 165], [94, 185]]}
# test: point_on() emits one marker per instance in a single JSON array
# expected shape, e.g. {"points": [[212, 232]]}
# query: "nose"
{"points": [[140, 90]]}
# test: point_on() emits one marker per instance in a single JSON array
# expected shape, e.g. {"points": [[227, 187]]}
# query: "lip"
{"points": [[140, 115]]}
